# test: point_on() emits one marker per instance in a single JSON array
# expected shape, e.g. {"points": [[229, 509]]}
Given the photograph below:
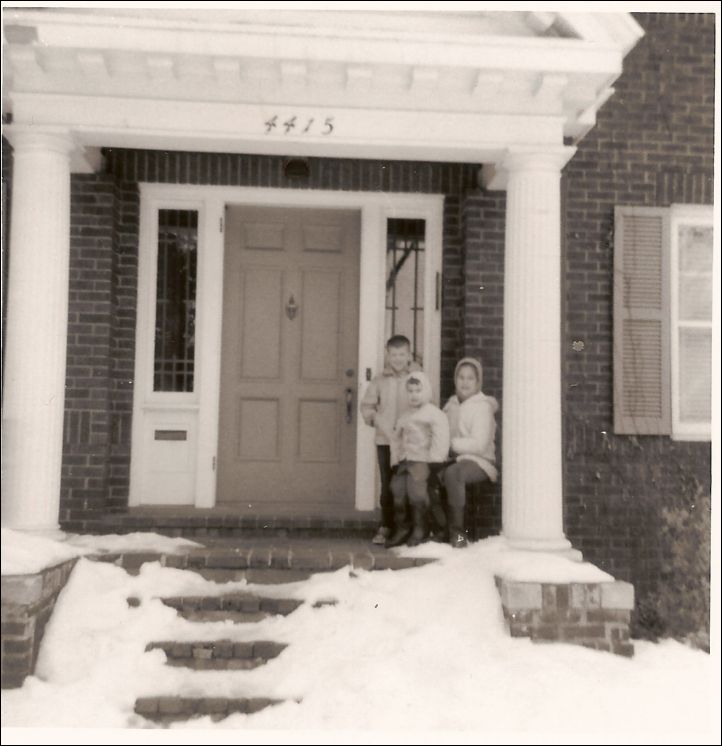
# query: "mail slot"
{"points": [[171, 435]]}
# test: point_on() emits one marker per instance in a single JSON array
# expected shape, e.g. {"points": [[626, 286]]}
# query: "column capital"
{"points": [[27, 139], [525, 159], [537, 159]]}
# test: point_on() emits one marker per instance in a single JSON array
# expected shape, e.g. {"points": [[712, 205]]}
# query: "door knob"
{"points": [[291, 308]]}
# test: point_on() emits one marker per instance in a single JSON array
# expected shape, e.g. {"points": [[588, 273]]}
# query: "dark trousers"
{"points": [[383, 454]]}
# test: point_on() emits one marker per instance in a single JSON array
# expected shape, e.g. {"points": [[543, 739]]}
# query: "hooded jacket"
{"points": [[385, 399], [421, 433], [472, 425]]}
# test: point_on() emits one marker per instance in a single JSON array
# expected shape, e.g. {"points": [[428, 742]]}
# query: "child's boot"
{"points": [[457, 536], [401, 533], [420, 518], [437, 515]]}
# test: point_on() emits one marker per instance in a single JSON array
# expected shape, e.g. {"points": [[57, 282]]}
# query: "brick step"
{"points": [[166, 710], [235, 607], [256, 563], [213, 655], [236, 617], [260, 577], [218, 523]]}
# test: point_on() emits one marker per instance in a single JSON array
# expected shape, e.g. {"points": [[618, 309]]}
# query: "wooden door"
{"points": [[289, 357]]}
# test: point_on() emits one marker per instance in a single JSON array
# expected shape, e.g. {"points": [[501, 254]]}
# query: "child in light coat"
{"points": [[384, 400], [420, 438], [473, 428]]}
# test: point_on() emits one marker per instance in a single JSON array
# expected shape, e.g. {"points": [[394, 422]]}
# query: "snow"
{"points": [[25, 552], [136, 542], [411, 653]]}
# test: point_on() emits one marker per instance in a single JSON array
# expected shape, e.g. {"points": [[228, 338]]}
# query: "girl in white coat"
{"points": [[473, 429]]}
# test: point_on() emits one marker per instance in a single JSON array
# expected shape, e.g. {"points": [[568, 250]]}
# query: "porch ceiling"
{"points": [[437, 86]]}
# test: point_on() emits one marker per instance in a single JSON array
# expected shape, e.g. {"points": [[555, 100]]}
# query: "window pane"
{"points": [[405, 244], [695, 273], [695, 298], [695, 248], [695, 385], [175, 300]]}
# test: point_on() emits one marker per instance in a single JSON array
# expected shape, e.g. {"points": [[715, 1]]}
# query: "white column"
{"points": [[37, 321], [532, 422]]}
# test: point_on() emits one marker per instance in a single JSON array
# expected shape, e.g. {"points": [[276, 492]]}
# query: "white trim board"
{"points": [[201, 407]]}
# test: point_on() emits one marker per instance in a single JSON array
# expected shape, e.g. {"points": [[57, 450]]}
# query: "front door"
{"points": [[287, 424]]}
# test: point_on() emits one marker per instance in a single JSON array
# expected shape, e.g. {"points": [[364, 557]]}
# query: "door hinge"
{"points": [[220, 224], [214, 463]]}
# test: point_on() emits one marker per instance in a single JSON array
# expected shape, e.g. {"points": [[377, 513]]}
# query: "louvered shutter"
{"points": [[642, 366]]}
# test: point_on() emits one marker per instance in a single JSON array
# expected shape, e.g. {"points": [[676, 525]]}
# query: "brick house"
{"points": [[225, 218]]}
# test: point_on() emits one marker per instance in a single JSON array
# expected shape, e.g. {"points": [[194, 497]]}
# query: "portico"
{"points": [[504, 91]]}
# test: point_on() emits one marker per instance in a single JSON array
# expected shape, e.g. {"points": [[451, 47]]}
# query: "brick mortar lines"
{"points": [[124, 168], [23, 623], [615, 486], [265, 559]]}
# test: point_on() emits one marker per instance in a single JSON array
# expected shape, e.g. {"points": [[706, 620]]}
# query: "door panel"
{"points": [[321, 325], [258, 423], [289, 353], [261, 319]]}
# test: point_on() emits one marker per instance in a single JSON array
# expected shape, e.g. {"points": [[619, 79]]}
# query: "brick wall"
{"points": [[27, 604], [104, 249], [86, 435], [595, 615], [652, 146]]}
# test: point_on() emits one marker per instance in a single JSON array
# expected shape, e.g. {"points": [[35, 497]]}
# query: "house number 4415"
{"points": [[298, 125]]}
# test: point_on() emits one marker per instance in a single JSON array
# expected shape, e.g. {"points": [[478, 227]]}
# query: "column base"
{"points": [[560, 547]]}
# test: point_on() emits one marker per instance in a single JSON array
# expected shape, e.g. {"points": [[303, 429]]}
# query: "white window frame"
{"points": [[685, 215]]}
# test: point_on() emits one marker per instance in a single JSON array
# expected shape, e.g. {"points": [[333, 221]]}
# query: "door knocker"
{"points": [[291, 308]]}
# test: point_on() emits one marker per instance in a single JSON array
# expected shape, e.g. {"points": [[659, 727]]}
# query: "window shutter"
{"points": [[642, 366]]}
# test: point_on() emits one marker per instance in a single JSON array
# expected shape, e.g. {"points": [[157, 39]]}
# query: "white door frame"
{"points": [[199, 409]]}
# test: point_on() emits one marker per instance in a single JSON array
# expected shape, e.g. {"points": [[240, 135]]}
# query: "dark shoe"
{"points": [[399, 537], [420, 518], [442, 537], [416, 538], [403, 529], [457, 539]]}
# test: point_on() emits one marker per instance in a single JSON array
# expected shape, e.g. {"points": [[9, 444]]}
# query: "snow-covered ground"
{"points": [[418, 653]]}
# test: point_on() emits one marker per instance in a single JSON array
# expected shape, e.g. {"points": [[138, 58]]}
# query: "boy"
{"points": [[421, 438], [383, 402]]}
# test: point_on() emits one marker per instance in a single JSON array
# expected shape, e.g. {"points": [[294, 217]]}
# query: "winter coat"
{"points": [[421, 433], [472, 427], [385, 399]]}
